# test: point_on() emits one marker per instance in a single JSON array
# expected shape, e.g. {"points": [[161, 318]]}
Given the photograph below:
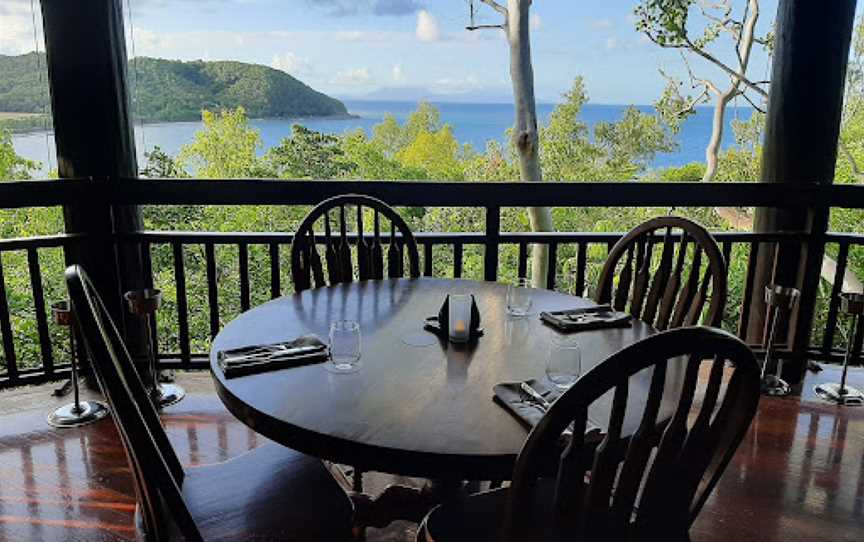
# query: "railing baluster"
{"points": [[182, 305], [6, 330], [581, 265], [147, 264], [490, 252], [523, 260], [457, 260], [553, 266], [834, 302], [727, 254], [275, 273], [39, 305], [427, 258], [243, 261], [748, 291], [212, 291]]}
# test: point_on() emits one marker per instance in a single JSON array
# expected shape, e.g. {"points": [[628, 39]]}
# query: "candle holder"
{"points": [[144, 304], [841, 394], [78, 412], [780, 300], [458, 320]]}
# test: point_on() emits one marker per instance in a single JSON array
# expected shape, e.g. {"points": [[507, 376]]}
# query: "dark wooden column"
{"points": [[86, 57], [802, 127]]}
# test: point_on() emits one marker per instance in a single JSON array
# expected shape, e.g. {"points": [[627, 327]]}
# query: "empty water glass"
{"points": [[564, 364], [519, 297], [344, 346]]}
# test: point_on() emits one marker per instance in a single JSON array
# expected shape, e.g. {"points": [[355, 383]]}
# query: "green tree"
{"points": [[225, 149], [308, 154], [12, 166]]}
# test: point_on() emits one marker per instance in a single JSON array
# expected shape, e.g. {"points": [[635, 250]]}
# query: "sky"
{"points": [[407, 49]]}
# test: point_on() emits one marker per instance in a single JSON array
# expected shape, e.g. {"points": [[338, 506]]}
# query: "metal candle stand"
{"points": [[841, 394], [144, 304], [78, 412], [779, 300]]}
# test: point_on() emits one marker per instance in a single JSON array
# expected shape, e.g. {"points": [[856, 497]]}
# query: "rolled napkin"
{"points": [[584, 319], [246, 360], [528, 402]]}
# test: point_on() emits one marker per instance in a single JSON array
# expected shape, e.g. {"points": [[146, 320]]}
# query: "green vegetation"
{"points": [[171, 90]]}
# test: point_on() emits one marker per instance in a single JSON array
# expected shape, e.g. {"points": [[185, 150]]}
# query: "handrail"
{"points": [[443, 194]]}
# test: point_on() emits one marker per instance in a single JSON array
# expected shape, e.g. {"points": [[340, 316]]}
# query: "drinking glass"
{"points": [[564, 365], [344, 346], [519, 297]]}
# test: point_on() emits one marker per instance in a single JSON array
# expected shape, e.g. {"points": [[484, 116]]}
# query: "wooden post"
{"points": [[86, 57], [801, 132]]}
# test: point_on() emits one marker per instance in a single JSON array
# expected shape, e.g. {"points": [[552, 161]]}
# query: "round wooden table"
{"points": [[423, 411]]}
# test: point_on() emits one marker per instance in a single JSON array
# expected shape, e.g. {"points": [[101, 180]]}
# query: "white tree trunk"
{"points": [[712, 151], [525, 134]]}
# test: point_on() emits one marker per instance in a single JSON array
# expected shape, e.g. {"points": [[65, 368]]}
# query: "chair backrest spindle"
{"points": [[649, 485], [338, 257], [657, 292]]}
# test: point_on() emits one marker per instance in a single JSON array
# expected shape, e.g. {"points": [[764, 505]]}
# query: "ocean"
{"points": [[473, 123]]}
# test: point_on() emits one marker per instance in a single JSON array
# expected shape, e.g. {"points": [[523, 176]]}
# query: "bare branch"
{"points": [[497, 7], [485, 27], [752, 103], [729, 71]]}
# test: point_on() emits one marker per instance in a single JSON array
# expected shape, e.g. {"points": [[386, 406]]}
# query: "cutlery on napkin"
{"points": [[530, 400], [587, 318], [253, 359]]}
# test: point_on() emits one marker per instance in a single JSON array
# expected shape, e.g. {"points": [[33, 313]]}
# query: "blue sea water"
{"points": [[473, 123]]}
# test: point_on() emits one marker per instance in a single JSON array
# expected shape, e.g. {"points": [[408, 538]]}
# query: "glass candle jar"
{"points": [[459, 317]]}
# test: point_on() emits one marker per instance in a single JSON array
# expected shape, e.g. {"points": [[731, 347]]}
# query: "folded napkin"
{"points": [[529, 411], [247, 360], [599, 317]]}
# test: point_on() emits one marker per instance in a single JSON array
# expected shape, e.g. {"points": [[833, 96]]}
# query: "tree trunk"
{"points": [[525, 135], [712, 151]]}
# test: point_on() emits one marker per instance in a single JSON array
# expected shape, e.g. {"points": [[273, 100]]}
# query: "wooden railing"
{"points": [[188, 351]]}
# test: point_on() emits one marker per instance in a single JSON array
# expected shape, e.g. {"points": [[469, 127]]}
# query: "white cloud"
{"points": [[536, 23], [611, 43], [398, 74], [364, 36], [601, 24], [355, 77], [292, 64], [427, 27], [451, 86], [16, 28]]}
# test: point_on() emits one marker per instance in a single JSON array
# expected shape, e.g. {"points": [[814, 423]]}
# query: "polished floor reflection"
{"points": [[799, 475]]}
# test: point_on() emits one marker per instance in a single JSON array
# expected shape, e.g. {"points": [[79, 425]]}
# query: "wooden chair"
{"points": [[671, 291], [270, 493], [650, 486], [307, 266]]}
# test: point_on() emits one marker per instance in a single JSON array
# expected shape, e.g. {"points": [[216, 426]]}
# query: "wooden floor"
{"points": [[798, 476]]}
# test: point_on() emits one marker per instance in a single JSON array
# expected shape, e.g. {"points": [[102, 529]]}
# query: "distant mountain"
{"points": [[171, 90]]}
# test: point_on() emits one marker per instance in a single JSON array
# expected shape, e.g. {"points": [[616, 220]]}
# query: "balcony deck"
{"points": [[799, 475]]}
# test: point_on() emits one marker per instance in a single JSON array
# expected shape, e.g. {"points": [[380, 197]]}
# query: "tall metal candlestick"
{"points": [[78, 412], [841, 394], [144, 304], [780, 300]]}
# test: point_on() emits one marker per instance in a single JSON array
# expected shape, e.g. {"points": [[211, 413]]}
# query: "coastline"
{"points": [[36, 130]]}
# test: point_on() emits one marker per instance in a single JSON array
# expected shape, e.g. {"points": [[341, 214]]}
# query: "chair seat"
{"points": [[479, 517], [271, 493]]}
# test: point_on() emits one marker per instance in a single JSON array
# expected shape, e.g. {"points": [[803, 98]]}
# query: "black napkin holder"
{"points": [[440, 325]]}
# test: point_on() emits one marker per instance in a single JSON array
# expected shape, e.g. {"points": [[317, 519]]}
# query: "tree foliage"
{"points": [[225, 148]]}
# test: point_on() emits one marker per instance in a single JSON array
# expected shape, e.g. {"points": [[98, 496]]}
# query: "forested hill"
{"points": [[171, 90]]}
